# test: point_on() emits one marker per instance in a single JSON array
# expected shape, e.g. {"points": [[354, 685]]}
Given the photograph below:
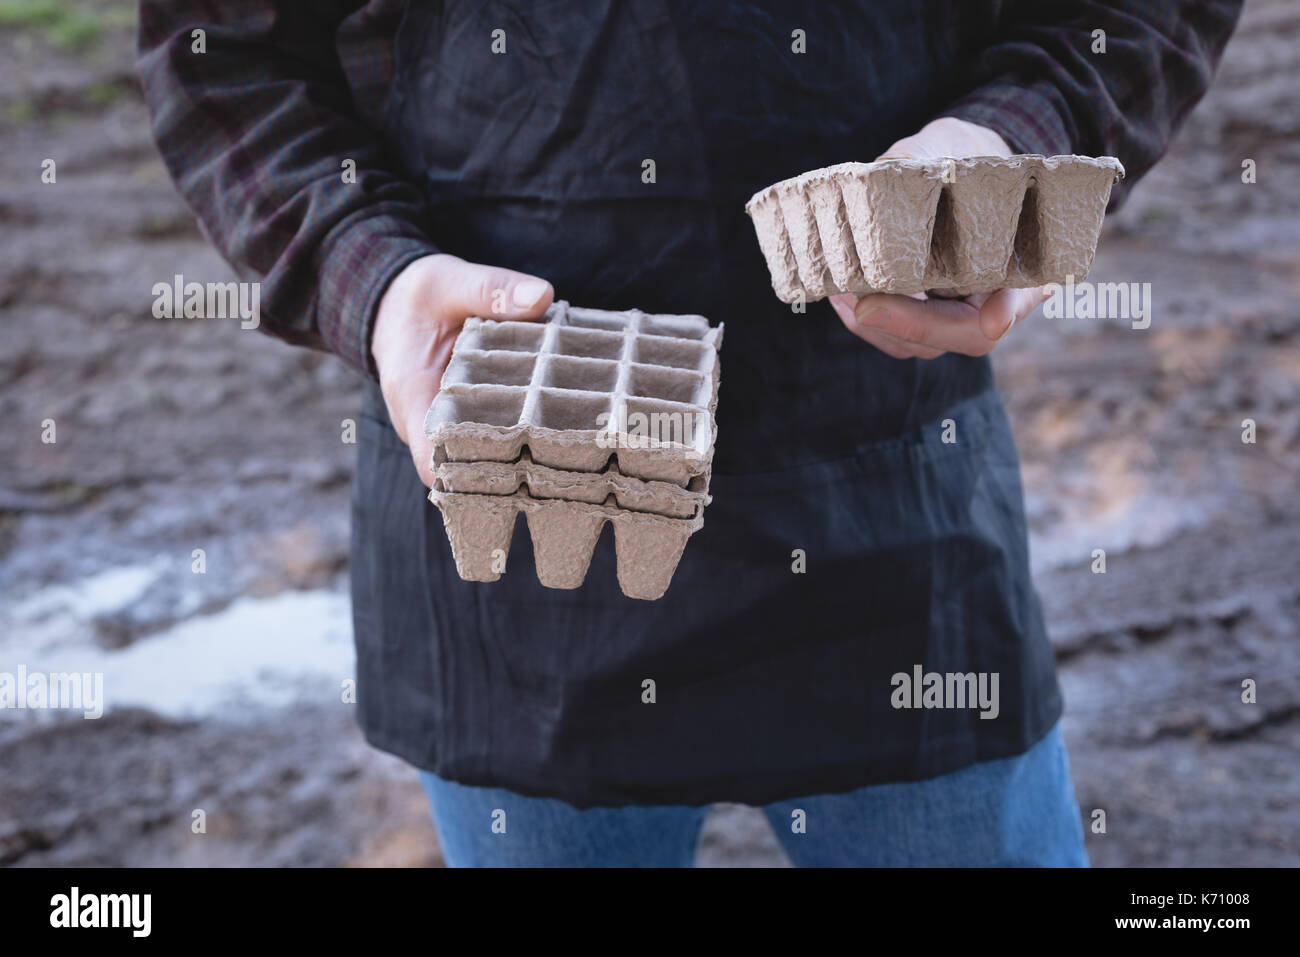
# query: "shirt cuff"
{"points": [[1024, 115], [356, 269]]}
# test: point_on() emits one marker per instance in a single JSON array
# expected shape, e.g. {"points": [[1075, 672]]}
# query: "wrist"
{"points": [[399, 301]]}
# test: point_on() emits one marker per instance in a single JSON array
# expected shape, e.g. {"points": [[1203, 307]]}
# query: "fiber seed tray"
{"points": [[947, 227], [594, 488], [545, 386], [542, 418], [564, 534]]}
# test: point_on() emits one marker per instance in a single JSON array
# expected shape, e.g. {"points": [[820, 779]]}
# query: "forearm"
{"points": [[255, 132], [1041, 86]]}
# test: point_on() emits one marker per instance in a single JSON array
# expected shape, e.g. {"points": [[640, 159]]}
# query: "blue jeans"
{"points": [[1014, 812]]}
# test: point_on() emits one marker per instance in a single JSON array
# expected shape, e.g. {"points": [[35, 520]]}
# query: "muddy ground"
{"points": [[1131, 442]]}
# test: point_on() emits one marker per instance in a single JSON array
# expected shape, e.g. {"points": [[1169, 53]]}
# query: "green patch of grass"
{"points": [[74, 31], [104, 94], [29, 13], [21, 111], [63, 24]]}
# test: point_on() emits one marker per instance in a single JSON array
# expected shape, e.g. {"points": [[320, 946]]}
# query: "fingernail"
{"points": [[528, 292], [843, 311], [1007, 328]]}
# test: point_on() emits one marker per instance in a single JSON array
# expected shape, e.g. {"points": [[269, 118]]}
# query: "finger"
{"points": [[921, 352], [886, 345], [946, 325], [897, 348], [843, 304], [1004, 308], [421, 451], [890, 345], [417, 394], [472, 289]]}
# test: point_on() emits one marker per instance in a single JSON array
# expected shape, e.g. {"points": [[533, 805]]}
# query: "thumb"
{"points": [[1004, 308], [495, 293]]}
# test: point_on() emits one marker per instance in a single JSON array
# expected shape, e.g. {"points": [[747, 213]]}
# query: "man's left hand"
{"points": [[906, 327]]}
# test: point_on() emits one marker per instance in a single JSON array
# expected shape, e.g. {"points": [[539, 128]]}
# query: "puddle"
{"points": [[255, 654]]}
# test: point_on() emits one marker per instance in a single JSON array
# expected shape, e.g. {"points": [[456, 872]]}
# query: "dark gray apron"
{"points": [[769, 683]]}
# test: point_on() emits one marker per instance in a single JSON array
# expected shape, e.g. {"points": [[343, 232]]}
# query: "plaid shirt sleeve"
{"points": [[1041, 86], [255, 132]]}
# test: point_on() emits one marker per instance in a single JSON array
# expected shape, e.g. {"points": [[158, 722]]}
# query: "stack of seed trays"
{"points": [[948, 227], [583, 418]]}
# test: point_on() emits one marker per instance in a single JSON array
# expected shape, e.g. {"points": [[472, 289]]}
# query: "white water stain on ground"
{"points": [[109, 590], [176, 436], [257, 653], [1147, 519]]}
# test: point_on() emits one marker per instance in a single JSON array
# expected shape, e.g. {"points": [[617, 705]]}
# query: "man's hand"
{"points": [[906, 327], [416, 325]]}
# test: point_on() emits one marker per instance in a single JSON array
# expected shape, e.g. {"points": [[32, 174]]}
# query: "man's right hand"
{"points": [[416, 325]]}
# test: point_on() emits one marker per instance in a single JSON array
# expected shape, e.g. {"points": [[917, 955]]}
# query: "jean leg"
{"points": [[493, 827], [1014, 812]]}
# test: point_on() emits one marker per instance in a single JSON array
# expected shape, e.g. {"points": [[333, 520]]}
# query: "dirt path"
{"points": [[1130, 441]]}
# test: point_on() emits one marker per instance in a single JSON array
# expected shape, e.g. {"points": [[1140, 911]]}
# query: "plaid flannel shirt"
{"points": [[256, 130]]}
